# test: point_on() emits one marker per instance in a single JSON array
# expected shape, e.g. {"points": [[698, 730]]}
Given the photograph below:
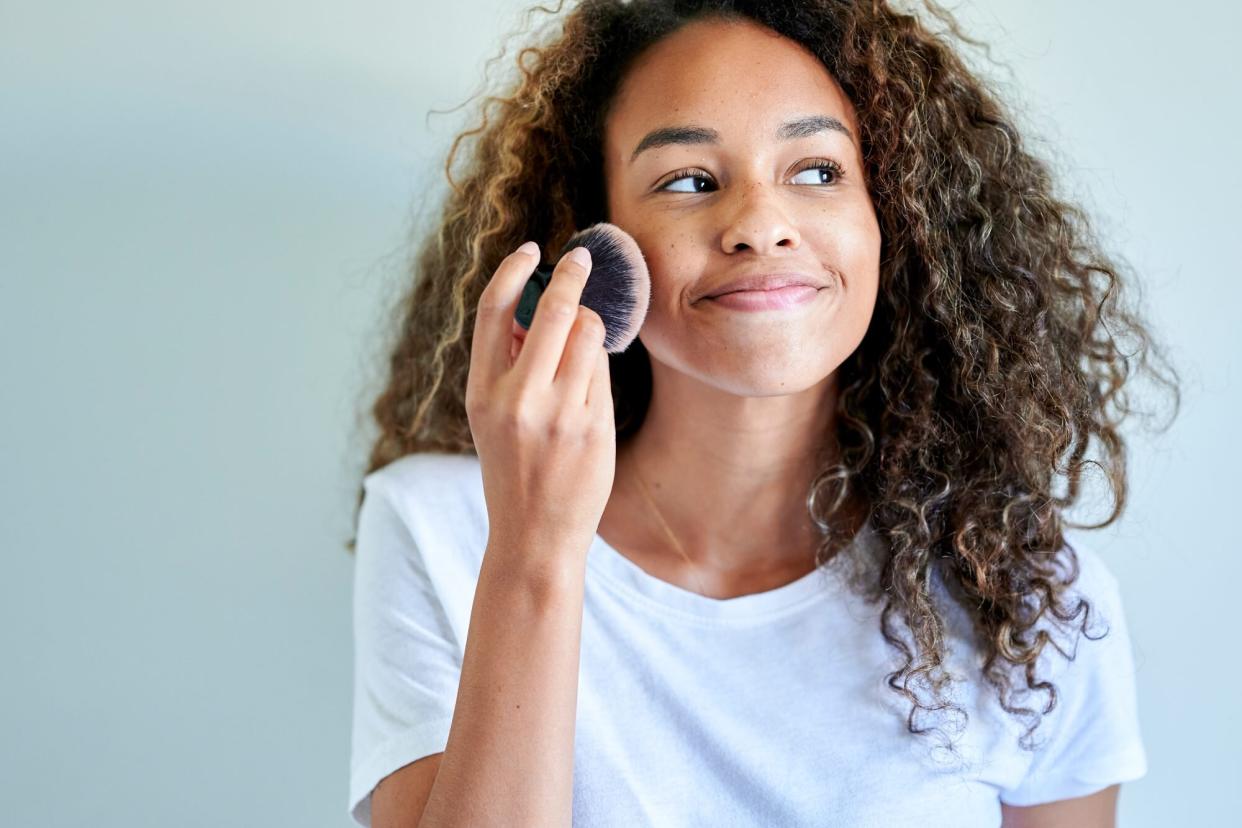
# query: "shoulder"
{"points": [[1090, 738], [1093, 596], [1090, 662], [431, 490], [439, 499], [426, 474], [1090, 598], [1087, 654], [1093, 573], [423, 528]]}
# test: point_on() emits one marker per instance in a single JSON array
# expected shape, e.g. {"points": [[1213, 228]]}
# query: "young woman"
{"points": [[794, 558]]}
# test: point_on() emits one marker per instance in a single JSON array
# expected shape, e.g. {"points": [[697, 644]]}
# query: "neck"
{"points": [[729, 474]]}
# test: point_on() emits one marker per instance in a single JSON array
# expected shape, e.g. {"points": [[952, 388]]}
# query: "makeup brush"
{"points": [[618, 287]]}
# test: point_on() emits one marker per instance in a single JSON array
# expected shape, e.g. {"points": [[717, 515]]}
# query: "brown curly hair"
{"points": [[990, 361]]}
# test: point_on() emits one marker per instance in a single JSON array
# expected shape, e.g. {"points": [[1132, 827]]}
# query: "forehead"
{"points": [[737, 75]]}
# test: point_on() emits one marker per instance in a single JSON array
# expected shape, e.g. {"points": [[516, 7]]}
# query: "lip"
{"points": [[763, 282], [781, 298]]}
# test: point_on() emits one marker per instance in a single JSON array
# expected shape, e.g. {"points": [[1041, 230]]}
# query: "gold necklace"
{"points": [[667, 530]]}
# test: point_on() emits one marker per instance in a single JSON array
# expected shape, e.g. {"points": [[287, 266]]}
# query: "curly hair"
{"points": [[989, 363]]}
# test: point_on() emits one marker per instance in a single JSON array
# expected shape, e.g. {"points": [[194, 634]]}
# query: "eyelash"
{"points": [[816, 164]]}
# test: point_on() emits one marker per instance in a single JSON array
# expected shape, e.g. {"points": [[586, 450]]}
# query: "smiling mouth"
{"points": [[782, 298], [759, 290]]}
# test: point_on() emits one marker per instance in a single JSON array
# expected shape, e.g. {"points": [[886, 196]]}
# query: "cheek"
{"points": [[851, 250], [674, 272]]}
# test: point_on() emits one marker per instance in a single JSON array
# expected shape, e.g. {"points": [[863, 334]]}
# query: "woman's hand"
{"points": [[539, 403]]}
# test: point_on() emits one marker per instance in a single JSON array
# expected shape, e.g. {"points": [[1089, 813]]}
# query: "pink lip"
{"points": [[775, 299], [763, 281]]}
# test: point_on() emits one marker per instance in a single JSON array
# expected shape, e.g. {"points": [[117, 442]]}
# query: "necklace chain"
{"points": [[667, 530]]}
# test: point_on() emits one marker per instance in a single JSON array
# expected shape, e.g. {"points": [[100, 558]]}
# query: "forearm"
{"points": [[509, 757]]}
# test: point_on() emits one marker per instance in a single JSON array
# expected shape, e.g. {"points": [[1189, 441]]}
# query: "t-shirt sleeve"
{"points": [[407, 663], [1091, 739]]}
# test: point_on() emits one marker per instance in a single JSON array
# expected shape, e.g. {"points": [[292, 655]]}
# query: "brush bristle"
{"points": [[619, 286]]}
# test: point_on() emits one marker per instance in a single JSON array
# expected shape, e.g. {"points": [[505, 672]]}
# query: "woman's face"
{"points": [[755, 204]]}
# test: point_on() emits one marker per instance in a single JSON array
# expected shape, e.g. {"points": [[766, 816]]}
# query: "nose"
{"points": [[759, 223]]}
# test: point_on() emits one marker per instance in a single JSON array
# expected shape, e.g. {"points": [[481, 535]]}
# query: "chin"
{"points": [[763, 379]]}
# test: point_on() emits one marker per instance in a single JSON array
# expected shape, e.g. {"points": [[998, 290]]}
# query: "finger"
{"points": [[554, 317], [599, 392], [490, 344], [515, 343], [579, 361]]}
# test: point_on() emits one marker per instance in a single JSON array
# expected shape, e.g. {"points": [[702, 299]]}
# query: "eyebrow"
{"points": [[797, 128]]}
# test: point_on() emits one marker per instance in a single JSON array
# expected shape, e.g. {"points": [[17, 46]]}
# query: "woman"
{"points": [[739, 573]]}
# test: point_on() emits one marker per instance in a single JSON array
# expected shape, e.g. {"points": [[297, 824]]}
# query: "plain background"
{"points": [[204, 215]]}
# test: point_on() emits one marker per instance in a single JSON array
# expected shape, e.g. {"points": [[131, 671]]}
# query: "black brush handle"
{"points": [[534, 288]]}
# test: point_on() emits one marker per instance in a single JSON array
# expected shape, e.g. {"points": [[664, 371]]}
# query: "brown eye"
{"points": [[689, 173], [824, 165]]}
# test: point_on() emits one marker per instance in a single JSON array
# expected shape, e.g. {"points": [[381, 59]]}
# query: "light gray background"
{"points": [[204, 211]]}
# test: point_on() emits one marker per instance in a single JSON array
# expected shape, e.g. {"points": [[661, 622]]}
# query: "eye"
{"points": [[695, 174], [822, 165], [690, 173]]}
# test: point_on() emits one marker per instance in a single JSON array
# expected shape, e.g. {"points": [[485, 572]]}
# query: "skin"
{"points": [[741, 400]]}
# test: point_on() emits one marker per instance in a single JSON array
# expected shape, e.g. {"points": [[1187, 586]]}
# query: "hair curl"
{"points": [[989, 364]]}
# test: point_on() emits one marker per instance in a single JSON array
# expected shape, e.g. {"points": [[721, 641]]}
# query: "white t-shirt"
{"points": [[769, 709]]}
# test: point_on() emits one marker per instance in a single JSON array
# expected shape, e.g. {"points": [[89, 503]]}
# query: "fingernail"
{"points": [[580, 255], [529, 248]]}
